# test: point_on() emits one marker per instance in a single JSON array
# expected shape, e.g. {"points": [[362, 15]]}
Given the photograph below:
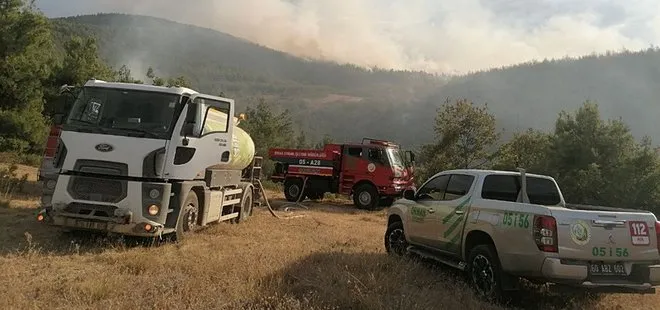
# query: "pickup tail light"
{"points": [[545, 233], [657, 234]]}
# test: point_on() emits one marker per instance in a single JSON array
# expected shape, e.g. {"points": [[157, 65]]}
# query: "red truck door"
{"points": [[352, 167], [359, 163]]}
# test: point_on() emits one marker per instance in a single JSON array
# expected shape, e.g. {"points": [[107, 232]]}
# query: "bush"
{"points": [[10, 182]]}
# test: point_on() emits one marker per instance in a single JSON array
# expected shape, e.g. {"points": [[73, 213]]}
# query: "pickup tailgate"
{"points": [[606, 236]]}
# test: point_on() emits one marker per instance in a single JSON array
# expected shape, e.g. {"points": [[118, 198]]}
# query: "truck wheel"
{"points": [[293, 189], [188, 217], [365, 197], [484, 272], [395, 239], [246, 207]]}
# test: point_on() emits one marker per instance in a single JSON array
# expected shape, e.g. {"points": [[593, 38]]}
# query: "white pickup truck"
{"points": [[499, 226]]}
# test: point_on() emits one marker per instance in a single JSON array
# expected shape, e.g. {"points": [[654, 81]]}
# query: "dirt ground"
{"points": [[332, 256]]}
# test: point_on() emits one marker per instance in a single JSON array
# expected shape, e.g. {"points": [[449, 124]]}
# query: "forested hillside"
{"points": [[349, 102], [532, 94], [322, 97]]}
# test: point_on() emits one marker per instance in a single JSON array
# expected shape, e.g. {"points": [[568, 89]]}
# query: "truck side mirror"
{"points": [[409, 194], [188, 129]]}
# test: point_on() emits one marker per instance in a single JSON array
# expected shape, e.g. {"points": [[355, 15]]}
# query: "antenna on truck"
{"points": [[522, 195]]}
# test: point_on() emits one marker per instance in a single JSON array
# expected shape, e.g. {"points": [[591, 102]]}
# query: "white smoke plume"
{"points": [[446, 36]]}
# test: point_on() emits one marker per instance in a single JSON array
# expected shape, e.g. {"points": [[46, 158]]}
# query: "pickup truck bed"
{"points": [[502, 225]]}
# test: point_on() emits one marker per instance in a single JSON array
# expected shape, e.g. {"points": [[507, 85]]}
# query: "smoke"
{"points": [[430, 35]]}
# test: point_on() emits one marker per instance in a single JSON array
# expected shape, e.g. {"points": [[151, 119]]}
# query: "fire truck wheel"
{"points": [[293, 189], [365, 197]]}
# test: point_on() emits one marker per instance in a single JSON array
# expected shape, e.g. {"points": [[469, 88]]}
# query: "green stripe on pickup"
{"points": [[453, 226]]}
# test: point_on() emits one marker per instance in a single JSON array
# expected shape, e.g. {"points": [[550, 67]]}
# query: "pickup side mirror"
{"points": [[409, 194], [58, 119]]}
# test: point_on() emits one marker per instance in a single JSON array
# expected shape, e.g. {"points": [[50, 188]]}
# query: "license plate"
{"points": [[91, 225], [607, 270]]}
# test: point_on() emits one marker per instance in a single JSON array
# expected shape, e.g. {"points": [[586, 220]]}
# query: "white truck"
{"points": [[499, 226], [144, 160]]}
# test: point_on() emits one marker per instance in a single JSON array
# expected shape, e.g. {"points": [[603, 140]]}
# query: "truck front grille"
{"points": [[97, 189], [90, 209]]}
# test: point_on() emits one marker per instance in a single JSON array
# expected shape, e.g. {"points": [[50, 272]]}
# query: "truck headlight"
{"points": [[153, 210]]}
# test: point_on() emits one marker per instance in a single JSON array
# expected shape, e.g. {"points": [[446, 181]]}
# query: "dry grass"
{"points": [[332, 257]]}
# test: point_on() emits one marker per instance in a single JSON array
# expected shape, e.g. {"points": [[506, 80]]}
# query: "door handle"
{"points": [[431, 210], [608, 223], [459, 211]]}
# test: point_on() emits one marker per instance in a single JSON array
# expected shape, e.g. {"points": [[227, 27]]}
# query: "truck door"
{"points": [[203, 138], [422, 214], [353, 167], [450, 212]]}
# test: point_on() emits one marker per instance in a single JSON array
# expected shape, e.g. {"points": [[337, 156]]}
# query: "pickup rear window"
{"points": [[506, 187]]}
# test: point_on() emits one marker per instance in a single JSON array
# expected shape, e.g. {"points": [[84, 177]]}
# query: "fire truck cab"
{"points": [[374, 172]]}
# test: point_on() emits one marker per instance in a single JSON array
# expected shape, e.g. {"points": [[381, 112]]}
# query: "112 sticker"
{"points": [[639, 233]]}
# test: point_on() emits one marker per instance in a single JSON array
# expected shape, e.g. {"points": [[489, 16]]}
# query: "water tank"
{"points": [[242, 150]]}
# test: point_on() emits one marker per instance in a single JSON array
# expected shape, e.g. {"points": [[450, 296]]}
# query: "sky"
{"points": [[439, 36]]}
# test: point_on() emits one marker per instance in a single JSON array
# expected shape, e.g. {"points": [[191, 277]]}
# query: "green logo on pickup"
{"points": [[580, 232], [418, 214]]}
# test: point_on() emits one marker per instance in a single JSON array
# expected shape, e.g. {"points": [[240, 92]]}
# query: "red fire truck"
{"points": [[374, 172]]}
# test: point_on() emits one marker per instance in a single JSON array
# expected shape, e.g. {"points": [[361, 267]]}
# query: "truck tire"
{"points": [[395, 239], [188, 221], [293, 189], [246, 207], [484, 272], [366, 197]]}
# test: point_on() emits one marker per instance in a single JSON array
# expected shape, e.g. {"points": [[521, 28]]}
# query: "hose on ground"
{"points": [[300, 198], [270, 209]]}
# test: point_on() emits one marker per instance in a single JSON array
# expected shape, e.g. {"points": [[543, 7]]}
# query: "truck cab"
{"points": [[145, 160], [374, 172]]}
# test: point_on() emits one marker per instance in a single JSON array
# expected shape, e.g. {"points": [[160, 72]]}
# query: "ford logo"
{"points": [[104, 147]]}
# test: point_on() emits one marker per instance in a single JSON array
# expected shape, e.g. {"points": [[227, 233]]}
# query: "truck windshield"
{"points": [[394, 155], [125, 112]]}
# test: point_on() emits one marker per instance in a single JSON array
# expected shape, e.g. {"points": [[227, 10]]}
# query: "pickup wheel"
{"points": [[484, 272], [293, 189], [366, 197], [395, 239], [188, 217]]}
